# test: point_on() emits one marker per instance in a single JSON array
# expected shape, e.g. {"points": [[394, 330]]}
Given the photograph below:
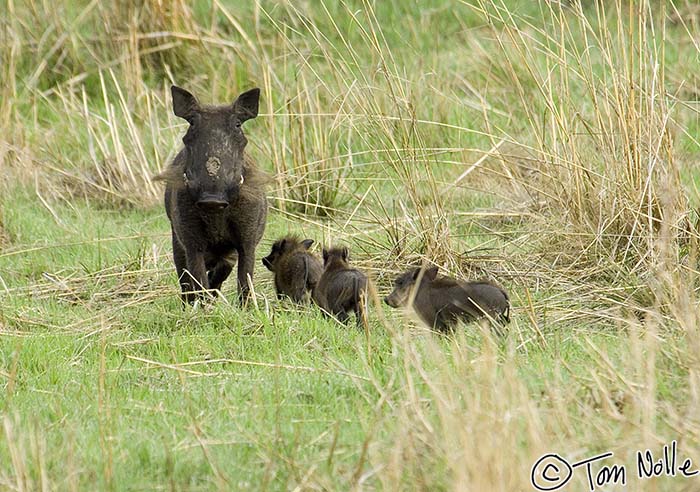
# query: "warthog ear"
{"points": [[307, 243], [325, 255], [184, 103], [247, 104], [431, 273], [345, 252]]}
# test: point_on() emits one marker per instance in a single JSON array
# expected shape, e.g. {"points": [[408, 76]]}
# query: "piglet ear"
{"points": [[345, 253], [431, 273], [246, 106], [307, 243], [184, 103], [325, 255]]}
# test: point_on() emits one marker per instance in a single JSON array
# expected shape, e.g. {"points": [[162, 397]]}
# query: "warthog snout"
{"points": [[212, 202], [391, 302]]}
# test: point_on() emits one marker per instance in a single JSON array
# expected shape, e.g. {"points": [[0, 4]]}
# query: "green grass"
{"points": [[550, 149], [150, 415]]}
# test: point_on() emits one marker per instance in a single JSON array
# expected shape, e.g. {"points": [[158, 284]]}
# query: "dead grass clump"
{"points": [[106, 185], [407, 236], [313, 177], [150, 37], [370, 110], [138, 281], [605, 176], [118, 147]]}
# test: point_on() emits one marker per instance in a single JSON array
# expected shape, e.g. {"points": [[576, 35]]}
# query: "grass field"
{"points": [[552, 147]]}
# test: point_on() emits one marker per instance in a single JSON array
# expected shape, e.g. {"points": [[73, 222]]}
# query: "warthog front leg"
{"points": [[246, 265], [193, 279], [219, 273], [183, 277]]}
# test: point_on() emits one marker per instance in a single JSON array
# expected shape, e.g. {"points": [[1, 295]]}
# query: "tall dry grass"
{"points": [[603, 122]]}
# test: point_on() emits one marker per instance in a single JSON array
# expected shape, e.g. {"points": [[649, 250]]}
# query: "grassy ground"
{"points": [[550, 147]]}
